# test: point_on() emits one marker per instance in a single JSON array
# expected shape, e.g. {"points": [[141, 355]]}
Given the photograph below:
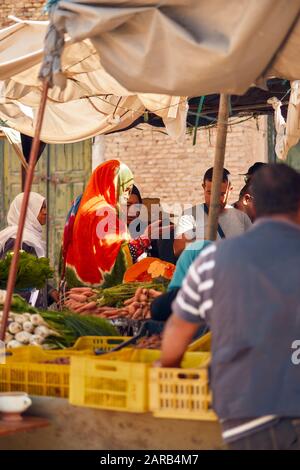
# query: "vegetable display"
{"points": [[51, 329], [71, 326], [150, 342], [18, 304], [131, 300], [32, 271], [26, 328]]}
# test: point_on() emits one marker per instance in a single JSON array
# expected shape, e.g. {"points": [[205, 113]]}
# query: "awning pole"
{"points": [[218, 167], [28, 183]]}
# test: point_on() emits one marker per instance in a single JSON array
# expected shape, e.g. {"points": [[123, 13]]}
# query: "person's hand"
{"points": [[54, 295], [153, 294]]}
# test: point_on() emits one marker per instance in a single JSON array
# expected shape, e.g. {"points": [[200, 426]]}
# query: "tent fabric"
{"points": [[14, 138], [253, 103], [188, 47], [287, 131], [92, 102]]}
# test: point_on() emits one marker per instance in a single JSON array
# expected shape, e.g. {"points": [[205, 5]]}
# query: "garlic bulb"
{"points": [[42, 331], [27, 316], [37, 319], [23, 337], [20, 318], [14, 328], [36, 340], [28, 326], [14, 344]]}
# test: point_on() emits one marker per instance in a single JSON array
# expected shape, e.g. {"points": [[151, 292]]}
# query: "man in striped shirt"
{"points": [[246, 290]]}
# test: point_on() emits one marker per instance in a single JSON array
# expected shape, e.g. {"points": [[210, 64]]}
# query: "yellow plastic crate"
{"points": [[26, 371], [118, 381], [105, 343], [201, 344], [84, 345], [181, 393]]}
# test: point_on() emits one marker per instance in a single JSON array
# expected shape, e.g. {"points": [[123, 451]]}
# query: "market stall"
{"points": [[88, 372]]}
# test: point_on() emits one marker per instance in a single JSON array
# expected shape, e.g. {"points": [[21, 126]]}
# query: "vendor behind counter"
{"points": [[32, 243]]}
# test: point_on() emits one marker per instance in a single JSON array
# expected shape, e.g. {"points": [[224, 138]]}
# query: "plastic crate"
{"points": [[201, 344], [118, 381], [181, 393], [26, 371], [83, 345], [104, 343]]}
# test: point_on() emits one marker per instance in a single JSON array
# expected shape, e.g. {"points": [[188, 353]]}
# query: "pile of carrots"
{"points": [[83, 300]]}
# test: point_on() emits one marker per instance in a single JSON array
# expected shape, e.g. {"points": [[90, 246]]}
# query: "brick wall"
{"points": [[26, 9], [173, 172]]}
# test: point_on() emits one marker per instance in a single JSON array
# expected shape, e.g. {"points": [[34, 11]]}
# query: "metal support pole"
{"points": [[214, 207]]}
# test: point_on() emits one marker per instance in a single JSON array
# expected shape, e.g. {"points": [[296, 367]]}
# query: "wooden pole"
{"points": [[28, 183], [214, 207], [23, 177]]}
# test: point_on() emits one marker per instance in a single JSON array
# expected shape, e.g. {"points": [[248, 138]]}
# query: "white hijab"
{"points": [[32, 234]]}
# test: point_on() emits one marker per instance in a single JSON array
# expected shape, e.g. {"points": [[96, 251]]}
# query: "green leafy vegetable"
{"points": [[72, 326], [32, 272]]}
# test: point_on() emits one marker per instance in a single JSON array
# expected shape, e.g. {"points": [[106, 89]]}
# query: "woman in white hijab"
{"points": [[32, 241], [32, 236]]}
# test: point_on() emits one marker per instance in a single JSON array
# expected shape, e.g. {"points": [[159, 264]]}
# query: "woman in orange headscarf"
{"points": [[97, 248]]}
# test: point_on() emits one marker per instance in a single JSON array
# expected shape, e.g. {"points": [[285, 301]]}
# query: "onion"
{"points": [[20, 318], [36, 340], [37, 319], [14, 344], [28, 326], [14, 328], [23, 337], [42, 331]]}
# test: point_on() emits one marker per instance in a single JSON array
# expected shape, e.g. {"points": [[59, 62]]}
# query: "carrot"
{"points": [[80, 290], [137, 314], [87, 307], [78, 297], [130, 301]]}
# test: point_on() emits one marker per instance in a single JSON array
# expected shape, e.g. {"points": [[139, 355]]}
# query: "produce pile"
{"points": [[26, 328], [50, 329], [129, 300], [72, 326], [32, 272], [18, 304], [149, 342]]}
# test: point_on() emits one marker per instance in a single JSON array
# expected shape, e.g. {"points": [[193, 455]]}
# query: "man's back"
{"points": [[254, 328]]}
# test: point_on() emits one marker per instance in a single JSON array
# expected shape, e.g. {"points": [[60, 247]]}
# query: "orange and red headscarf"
{"points": [[95, 243]]}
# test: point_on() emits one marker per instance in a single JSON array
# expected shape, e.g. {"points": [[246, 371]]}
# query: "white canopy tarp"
{"points": [[287, 132], [188, 47], [92, 103]]}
